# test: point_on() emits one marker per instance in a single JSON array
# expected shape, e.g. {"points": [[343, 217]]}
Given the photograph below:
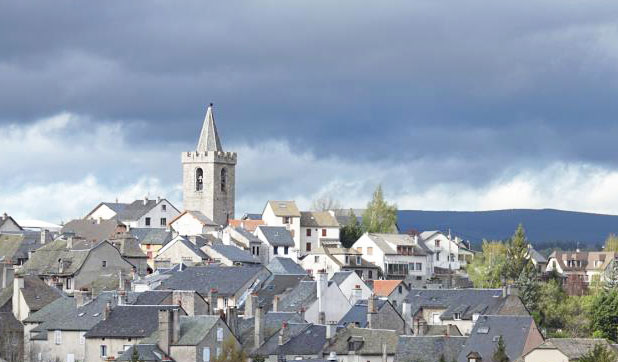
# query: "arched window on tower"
{"points": [[223, 179], [199, 179]]}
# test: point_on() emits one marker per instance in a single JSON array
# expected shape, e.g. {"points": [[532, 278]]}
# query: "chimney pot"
{"points": [[145, 200]]}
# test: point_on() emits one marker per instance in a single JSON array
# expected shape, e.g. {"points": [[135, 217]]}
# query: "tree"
{"points": [[611, 243], [325, 203], [611, 281], [500, 352], [350, 232], [487, 268], [135, 355], [380, 216], [231, 353], [517, 254], [442, 358], [529, 289], [604, 315], [599, 353]]}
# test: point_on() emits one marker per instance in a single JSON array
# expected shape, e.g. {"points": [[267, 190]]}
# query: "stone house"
{"points": [[393, 290], [7, 223], [353, 344], [229, 254], [16, 247], [352, 286], [374, 313], [151, 241], [181, 250], [131, 251]]}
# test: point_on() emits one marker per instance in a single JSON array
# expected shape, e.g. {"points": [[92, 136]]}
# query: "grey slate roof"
{"points": [[464, 301], [92, 229], [272, 325], [16, 245], [410, 348], [36, 293], [193, 329], [372, 341], [152, 236], [303, 296], [271, 345], [209, 137], [152, 297], [573, 348], [277, 284], [317, 219], [227, 280], [246, 233], [234, 254], [7, 220], [309, 341], [382, 241], [340, 277], [538, 257], [357, 315], [58, 307], [147, 353], [277, 235], [251, 216], [129, 321], [82, 318], [279, 265], [483, 338]]}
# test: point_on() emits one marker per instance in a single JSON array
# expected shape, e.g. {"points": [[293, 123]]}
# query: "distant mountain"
{"points": [[544, 227]]}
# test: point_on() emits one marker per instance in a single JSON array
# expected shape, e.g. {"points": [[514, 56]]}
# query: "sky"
{"points": [[449, 105]]}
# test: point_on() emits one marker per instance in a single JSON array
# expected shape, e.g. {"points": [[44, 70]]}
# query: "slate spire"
{"points": [[209, 138]]}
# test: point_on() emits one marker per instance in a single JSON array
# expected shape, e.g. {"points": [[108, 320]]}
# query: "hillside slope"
{"points": [[542, 226]]}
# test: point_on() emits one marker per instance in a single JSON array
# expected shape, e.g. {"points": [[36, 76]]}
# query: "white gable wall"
{"points": [[102, 212], [350, 283], [188, 225], [336, 306]]}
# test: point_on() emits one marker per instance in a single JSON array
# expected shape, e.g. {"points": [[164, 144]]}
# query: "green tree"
{"points": [[611, 243], [604, 315], [135, 355], [529, 289], [231, 352], [611, 281], [517, 254], [599, 353], [500, 352], [487, 269], [380, 216], [352, 231]]}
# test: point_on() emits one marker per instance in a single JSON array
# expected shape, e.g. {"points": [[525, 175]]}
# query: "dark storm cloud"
{"points": [[476, 86]]}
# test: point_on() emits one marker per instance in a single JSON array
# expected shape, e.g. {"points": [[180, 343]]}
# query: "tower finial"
{"points": [[209, 138]]}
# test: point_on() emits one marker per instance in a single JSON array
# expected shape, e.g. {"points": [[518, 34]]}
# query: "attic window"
{"points": [[457, 316], [483, 330], [81, 314], [96, 314], [496, 338]]}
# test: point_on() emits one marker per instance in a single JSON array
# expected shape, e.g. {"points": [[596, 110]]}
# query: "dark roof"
{"points": [[135, 321], [483, 338], [233, 253], [152, 236], [279, 265], [147, 353], [536, 256], [128, 245], [317, 219], [8, 322], [58, 307], [371, 340], [90, 229], [432, 348], [227, 280], [152, 297], [82, 318], [275, 285], [357, 315], [193, 329], [37, 294], [309, 341], [340, 277], [136, 209], [246, 233], [466, 302], [272, 325], [277, 235], [251, 216], [16, 245]]}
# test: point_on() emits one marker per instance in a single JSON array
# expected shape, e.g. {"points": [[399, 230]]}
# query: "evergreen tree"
{"points": [[380, 216], [529, 289], [599, 353], [500, 352], [135, 355], [351, 232], [517, 254], [611, 280]]}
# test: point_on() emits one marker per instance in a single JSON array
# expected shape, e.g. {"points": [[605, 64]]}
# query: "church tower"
{"points": [[208, 175]]}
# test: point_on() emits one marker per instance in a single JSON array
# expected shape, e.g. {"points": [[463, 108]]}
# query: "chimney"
{"points": [[145, 200], [321, 285], [212, 300], [70, 242], [158, 199], [283, 333], [120, 281], [107, 310], [44, 236], [406, 310], [371, 312], [331, 330], [81, 297], [18, 285], [165, 331], [175, 325], [448, 329], [321, 318], [276, 303], [258, 328], [384, 355], [250, 305], [302, 313], [357, 294], [231, 319], [5, 277], [5, 216]]}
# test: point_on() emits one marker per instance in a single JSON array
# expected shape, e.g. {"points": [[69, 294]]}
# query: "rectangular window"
{"points": [[219, 334], [358, 260], [285, 250], [104, 263], [58, 337], [276, 250], [308, 247], [347, 259], [218, 352], [316, 259], [287, 220], [308, 232], [103, 350], [147, 221], [419, 266], [457, 316], [438, 256], [69, 283], [369, 250], [323, 232], [164, 208], [370, 274], [82, 338], [163, 221], [206, 354], [437, 243]]}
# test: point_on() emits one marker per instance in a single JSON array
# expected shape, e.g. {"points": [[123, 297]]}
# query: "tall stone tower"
{"points": [[208, 175]]}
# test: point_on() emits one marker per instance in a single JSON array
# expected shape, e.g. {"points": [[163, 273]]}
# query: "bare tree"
{"points": [[325, 203]]}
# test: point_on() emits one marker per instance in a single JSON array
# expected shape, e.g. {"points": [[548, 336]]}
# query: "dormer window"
{"points": [[457, 316], [199, 179]]}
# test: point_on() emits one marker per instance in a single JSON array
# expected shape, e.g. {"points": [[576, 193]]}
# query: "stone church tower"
{"points": [[208, 175]]}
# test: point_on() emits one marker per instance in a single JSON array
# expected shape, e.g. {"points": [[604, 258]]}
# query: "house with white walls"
{"points": [[191, 223], [352, 286], [285, 214], [445, 249], [318, 229], [336, 259], [137, 214], [397, 255], [278, 242]]}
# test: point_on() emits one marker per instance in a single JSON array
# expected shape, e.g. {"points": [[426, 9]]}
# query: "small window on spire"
{"points": [[199, 179], [223, 179]]}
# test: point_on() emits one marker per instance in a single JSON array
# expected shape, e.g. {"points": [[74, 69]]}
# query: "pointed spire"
{"points": [[209, 138]]}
